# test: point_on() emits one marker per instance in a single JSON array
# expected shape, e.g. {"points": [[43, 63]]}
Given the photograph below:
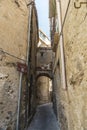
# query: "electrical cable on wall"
{"points": [[5, 52]]}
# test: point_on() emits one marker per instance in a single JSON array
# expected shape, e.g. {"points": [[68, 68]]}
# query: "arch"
{"points": [[49, 75], [44, 88]]}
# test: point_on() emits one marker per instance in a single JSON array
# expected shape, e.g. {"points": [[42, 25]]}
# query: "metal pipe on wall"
{"points": [[19, 101], [21, 74]]}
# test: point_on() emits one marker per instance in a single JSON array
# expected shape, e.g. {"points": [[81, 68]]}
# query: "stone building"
{"points": [[43, 40], [44, 69], [30, 62], [18, 35], [68, 23]]}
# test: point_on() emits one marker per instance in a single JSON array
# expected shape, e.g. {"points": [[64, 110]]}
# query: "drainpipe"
{"points": [[21, 74], [61, 42], [19, 101]]}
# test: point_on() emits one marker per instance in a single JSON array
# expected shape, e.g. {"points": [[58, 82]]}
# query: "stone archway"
{"points": [[44, 89], [44, 73]]}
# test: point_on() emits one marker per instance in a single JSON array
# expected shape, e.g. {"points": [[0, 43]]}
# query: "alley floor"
{"points": [[44, 119]]}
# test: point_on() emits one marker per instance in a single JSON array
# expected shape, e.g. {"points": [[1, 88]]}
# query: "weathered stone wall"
{"points": [[13, 39], [72, 104], [44, 58], [13, 21]]}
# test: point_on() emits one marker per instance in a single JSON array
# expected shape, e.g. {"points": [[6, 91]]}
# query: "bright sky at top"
{"points": [[43, 15]]}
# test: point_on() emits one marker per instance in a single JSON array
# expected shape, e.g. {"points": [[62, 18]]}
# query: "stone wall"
{"points": [[44, 58], [13, 39], [72, 103]]}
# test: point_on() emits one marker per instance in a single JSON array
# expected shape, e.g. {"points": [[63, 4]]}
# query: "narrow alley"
{"points": [[43, 65], [44, 119]]}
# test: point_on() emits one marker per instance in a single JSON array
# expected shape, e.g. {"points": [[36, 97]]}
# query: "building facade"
{"points": [[43, 40], [43, 69], [68, 33], [18, 35]]}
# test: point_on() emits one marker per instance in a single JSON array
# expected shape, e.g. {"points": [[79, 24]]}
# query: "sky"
{"points": [[43, 15]]}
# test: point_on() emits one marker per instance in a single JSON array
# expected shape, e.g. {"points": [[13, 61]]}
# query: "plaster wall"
{"points": [[72, 103], [13, 39]]}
